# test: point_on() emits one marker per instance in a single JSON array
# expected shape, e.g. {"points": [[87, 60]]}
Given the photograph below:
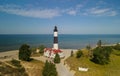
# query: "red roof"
{"points": [[53, 50], [57, 51]]}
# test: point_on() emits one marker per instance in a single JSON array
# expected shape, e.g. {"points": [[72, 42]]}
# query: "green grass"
{"points": [[116, 52], [111, 69]]}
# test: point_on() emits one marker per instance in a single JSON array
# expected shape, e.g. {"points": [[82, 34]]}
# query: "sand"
{"points": [[8, 55]]}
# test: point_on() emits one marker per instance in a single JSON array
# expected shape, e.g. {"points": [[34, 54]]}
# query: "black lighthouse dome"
{"points": [[55, 29]]}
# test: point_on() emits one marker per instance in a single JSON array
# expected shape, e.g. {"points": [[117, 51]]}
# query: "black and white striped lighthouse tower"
{"points": [[55, 45]]}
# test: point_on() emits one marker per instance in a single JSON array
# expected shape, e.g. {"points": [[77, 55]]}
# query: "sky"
{"points": [[70, 16]]}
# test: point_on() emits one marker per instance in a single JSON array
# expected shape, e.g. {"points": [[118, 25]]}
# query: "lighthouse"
{"points": [[55, 42], [51, 52]]}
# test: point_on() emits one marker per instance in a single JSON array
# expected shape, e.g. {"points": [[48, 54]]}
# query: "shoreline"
{"points": [[13, 54], [92, 46]]}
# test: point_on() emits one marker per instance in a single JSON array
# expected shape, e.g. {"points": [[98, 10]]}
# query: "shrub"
{"points": [[101, 55], [71, 53], [33, 50], [16, 63], [79, 54], [88, 47], [117, 46], [57, 58], [42, 47], [99, 43]]}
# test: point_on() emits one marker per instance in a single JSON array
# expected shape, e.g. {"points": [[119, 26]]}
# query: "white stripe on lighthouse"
{"points": [[55, 34], [55, 45]]}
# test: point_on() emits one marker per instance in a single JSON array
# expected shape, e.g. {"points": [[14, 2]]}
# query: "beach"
{"points": [[8, 55]]}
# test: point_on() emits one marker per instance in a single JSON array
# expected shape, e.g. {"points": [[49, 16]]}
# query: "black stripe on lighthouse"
{"points": [[55, 45], [55, 35], [55, 39]]}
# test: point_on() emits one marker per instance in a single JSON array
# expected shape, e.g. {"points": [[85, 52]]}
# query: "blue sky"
{"points": [[71, 16]]}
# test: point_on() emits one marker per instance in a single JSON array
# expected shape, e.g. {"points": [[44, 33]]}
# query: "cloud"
{"points": [[78, 6], [36, 13], [100, 12], [112, 13], [48, 13], [72, 12], [100, 2]]}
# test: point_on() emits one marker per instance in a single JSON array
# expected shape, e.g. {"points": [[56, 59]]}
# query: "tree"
{"points": [[71, 53], [57, 58], [90, 52], [24, 52], [101, 55], [49, 69], [42, 47], [88, 47], [79, 54], [99, 43]]}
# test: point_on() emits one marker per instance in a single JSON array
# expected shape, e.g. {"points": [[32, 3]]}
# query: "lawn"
{"points": [[111, 69]]}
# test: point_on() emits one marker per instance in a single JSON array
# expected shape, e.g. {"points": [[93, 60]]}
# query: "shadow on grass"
{"points": [[31, 59]]}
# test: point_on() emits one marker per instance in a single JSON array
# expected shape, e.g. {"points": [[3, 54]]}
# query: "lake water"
{"points": [[66, 41]]}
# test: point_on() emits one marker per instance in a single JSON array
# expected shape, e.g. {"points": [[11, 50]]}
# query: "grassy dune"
{"points": [[8, 69], [111, 69], [33, 68]]}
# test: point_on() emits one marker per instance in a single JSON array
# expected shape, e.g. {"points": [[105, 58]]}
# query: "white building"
{"points": [[50, 53]]}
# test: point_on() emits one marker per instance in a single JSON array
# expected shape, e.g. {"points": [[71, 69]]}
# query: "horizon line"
{"points": [[60, 34]]}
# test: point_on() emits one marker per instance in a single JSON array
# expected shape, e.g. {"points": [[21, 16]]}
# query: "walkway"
{"points": [[63, 71]]}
